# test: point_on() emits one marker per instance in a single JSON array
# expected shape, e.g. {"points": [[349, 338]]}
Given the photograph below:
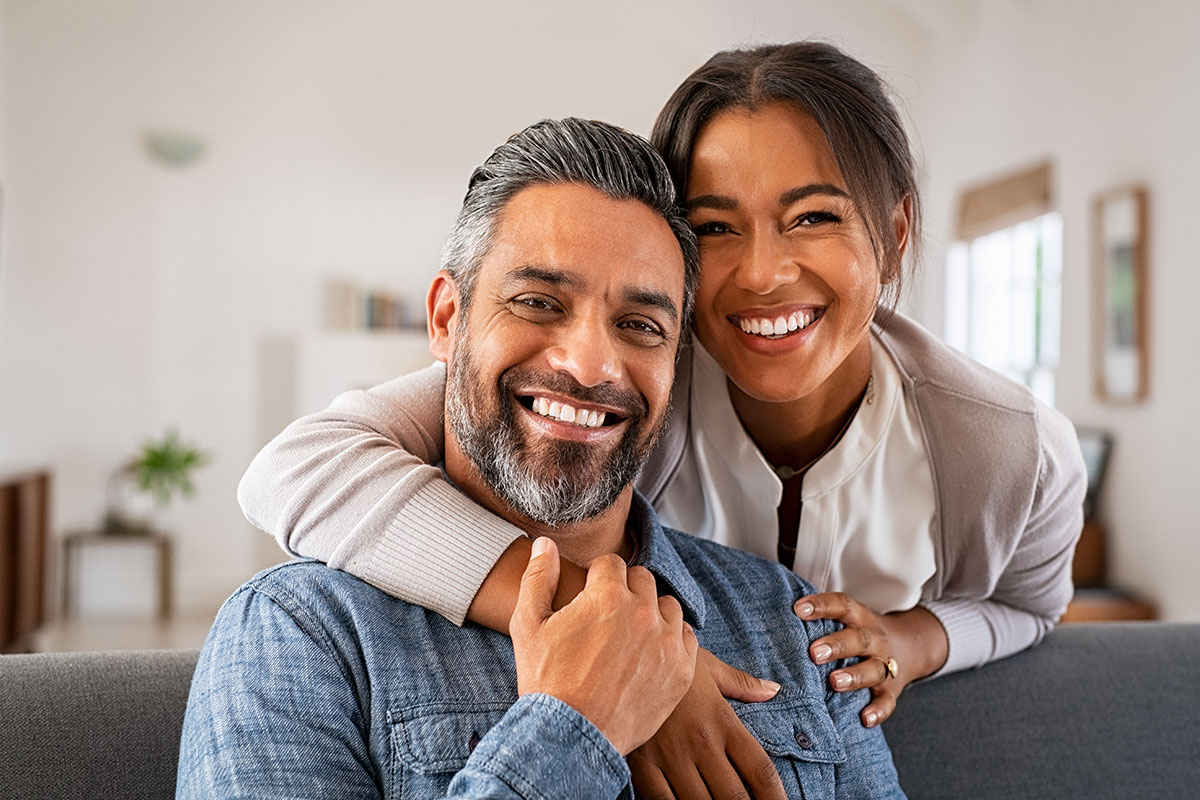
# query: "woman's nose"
{"points": [[766, 264]]}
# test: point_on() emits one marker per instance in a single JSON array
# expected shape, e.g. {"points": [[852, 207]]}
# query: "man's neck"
{"points": [[579, 542]]}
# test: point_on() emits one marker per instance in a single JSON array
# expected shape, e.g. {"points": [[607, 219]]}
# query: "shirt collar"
{"points": [[657, 554]]}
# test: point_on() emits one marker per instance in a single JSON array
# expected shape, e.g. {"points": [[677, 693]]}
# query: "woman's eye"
{"points": [[711, 229], [811, 218]]}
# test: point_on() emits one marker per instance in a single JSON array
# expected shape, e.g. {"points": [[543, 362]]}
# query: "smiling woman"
{"points": [[934, 503]]}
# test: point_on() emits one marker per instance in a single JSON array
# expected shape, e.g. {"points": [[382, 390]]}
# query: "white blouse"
{"points": [[866, 526]]}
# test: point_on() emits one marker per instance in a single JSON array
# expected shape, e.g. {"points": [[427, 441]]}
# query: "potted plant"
{"points": [[161, 470]]}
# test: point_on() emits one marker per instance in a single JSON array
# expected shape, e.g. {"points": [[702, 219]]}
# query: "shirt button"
{"points": [[803, 740], [474, 742]]}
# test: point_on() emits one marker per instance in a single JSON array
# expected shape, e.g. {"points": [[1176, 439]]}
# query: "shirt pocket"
{"points": [[801, 738], [430, 742]]}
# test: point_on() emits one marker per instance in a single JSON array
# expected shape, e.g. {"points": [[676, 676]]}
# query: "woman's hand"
{"points": [[914, 638], [703, 749]]}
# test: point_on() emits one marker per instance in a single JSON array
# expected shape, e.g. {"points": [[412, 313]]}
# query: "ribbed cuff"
{"points": [[968, 632], [452, 562]]}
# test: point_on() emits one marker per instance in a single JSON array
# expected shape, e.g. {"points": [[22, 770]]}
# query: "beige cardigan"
{"points": [[352, 486]]}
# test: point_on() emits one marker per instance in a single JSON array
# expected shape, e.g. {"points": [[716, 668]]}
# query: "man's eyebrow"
{"points": [[649, 297], [720, 202], [534, 272]]}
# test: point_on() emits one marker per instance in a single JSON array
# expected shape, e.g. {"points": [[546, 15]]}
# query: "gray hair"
{"points": [[612, 160]]}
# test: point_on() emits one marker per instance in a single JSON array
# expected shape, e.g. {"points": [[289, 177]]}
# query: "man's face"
{"points": [[560, 372]]}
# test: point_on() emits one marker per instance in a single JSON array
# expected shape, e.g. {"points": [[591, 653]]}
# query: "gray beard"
{"points": [[551, 482]]}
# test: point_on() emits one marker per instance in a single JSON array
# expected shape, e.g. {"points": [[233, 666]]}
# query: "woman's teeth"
{"points": [[778, 326], [565, 413]]}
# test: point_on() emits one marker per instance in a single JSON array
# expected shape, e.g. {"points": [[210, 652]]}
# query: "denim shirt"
{"points": [[313, 683]]}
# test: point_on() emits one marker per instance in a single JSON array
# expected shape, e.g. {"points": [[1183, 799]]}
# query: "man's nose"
{"points": [[766, 263], [586, 350]]}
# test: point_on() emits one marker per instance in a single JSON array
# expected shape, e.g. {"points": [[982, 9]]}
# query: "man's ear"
{"points": [[441, 310]]}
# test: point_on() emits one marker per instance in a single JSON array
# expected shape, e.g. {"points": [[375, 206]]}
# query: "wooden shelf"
{"points": [[1102, 605]]}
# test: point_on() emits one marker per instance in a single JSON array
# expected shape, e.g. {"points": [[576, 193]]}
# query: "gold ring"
{"points": [[892, 667]]}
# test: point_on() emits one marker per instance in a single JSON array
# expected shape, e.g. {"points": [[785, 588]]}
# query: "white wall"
{"points": [[340, 136], [1108, 91]]}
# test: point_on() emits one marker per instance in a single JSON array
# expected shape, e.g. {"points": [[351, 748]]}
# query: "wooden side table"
{"points": [[74, 541]]}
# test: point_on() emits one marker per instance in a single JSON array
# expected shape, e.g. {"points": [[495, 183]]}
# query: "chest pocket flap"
{"points": [[798, 728], [433, 738]]}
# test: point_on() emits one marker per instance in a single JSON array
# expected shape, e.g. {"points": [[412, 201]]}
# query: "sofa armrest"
{"points": [[92, 724]]}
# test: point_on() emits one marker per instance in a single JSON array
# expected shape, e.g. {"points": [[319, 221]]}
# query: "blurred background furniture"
{"points": [[1096, 599], [24, 504], [75, 541], [1096, 711]]}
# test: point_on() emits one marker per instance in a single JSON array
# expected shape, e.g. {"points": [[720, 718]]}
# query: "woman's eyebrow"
{"points": [[720, 202], [801, 192]]}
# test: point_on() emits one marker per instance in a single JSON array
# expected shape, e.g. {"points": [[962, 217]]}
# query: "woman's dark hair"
{"points": [[846, 98]]}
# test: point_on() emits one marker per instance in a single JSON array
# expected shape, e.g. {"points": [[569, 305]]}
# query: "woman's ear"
{"points": [[902, 223], [441, 310]]}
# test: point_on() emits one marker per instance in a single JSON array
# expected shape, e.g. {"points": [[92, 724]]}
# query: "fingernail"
{"points": [[771, 686], [841, 680], [804, 610], [540, 545], [822, 652], [871, 717]]}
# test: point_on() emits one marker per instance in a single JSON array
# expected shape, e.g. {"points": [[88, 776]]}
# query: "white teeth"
{"points": [[779, 326], [565, 413]]}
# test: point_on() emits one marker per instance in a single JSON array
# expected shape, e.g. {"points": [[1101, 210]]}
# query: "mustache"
{"points": [[630, 403]]}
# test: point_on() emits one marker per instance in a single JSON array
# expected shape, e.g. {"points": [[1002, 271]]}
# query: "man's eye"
{"points": [[642, 327], [711, 229], [534, 303]]}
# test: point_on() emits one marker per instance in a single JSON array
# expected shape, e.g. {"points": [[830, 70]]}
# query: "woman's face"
{"points": [[788, 278]]}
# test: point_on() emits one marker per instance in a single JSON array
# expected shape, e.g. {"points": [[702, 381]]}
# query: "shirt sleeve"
{"points": [[868, 771], [271, 713], [1034, 588], [274, 712], [352, 486]]}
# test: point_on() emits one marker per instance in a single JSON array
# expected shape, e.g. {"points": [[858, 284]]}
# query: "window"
{"points": [[1004, 301], [1003, 282]]}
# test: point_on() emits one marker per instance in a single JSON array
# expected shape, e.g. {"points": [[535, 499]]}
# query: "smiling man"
{"points": [[567, 287]]}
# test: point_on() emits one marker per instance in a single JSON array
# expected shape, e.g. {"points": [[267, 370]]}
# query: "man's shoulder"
{"points": [[719, 568], [313, 592]]}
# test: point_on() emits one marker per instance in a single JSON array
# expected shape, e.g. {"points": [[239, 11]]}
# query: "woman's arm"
{"points": [[946, 635], [1033, 586], [352, 486]]}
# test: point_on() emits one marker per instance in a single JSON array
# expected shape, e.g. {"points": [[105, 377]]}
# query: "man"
{"points": [[571, 277]]}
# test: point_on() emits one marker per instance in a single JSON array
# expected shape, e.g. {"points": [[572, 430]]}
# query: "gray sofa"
{"points": [[1097, 711]]}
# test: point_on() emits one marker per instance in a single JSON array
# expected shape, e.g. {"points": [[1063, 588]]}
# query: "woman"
{"points": [[936, 503]]}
